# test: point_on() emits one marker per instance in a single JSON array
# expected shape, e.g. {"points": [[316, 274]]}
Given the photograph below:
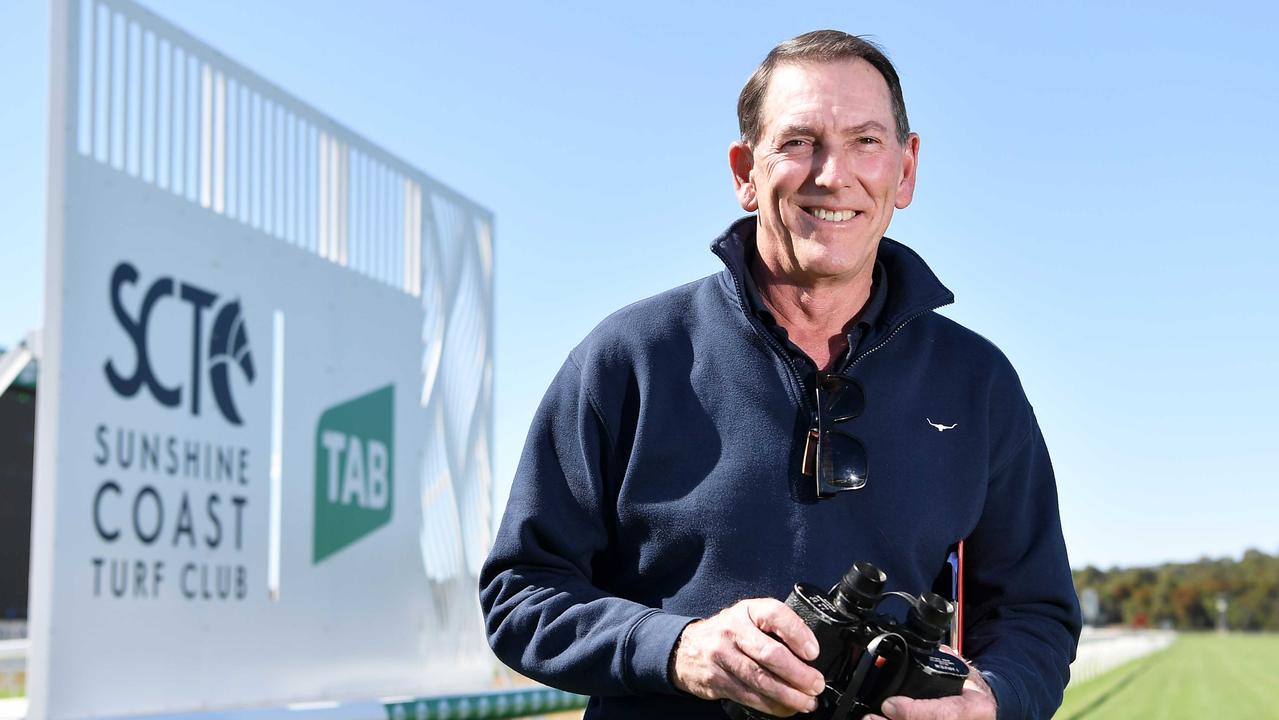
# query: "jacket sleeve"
{"points": [[544, 616], [1024, 622]]}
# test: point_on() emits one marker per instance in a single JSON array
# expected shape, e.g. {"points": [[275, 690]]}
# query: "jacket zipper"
{"points": [[797, 383], [886, 340], [853, 363]]}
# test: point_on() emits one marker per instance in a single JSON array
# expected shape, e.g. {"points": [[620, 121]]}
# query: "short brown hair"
{"points": [[817, 46]]}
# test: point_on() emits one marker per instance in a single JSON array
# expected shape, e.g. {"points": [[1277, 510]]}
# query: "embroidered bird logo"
{"points": [[939, 426]]}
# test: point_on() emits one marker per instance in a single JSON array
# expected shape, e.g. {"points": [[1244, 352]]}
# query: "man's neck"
{"points": [[815, 316]]}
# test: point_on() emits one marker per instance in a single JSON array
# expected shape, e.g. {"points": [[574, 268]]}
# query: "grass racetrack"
{"points": [[1201, 676]]}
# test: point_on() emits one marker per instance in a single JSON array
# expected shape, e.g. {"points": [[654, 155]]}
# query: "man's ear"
{"points": [[741, 160], [910, 166]]}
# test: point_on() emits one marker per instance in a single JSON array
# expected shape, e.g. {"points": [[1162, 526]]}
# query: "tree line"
{"points": [[1187, 596]]}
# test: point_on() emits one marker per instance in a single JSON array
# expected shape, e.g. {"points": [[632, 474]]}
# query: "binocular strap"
{"points": [[878, 675]]}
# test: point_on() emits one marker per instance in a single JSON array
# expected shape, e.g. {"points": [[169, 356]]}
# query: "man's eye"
{"points": [[796, 143], [867, 140]]}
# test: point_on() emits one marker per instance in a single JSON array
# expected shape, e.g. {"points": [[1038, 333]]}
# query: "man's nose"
{"points": [[832, 168]]}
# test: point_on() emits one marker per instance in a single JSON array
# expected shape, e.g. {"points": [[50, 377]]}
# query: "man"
{"points": [[669, 472]]}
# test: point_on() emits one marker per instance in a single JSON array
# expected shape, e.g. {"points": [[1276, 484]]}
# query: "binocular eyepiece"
{"points": [[860, 588]]}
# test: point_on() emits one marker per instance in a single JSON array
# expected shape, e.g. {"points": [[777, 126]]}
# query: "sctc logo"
{"points": [[228, 343]]}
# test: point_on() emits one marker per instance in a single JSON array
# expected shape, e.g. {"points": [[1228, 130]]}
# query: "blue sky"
{"points": [[1096, 185]]}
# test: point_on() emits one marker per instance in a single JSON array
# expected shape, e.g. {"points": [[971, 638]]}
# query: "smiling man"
{"points": [[703, 450]]}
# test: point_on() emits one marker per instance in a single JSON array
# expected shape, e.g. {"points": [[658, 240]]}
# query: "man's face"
{"points": [[827, 170]]}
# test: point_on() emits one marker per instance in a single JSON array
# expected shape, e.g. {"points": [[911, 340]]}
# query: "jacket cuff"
{"points": [[1008, 702], [647, 651]]}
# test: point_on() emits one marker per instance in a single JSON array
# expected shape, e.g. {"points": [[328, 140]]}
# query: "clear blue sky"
{"points": [[1097, 185]]}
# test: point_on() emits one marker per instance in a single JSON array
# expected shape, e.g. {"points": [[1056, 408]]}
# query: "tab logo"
{"points": [[354, 470]]}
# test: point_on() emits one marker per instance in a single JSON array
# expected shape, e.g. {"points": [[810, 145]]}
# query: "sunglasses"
{"points": [[836, 459]]}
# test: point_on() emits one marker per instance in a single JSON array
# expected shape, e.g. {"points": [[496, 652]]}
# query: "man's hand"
{"points": [[975, 702], [750, 653]]}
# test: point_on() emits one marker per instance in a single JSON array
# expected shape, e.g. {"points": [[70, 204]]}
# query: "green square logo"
{"points": [[354, 470]]}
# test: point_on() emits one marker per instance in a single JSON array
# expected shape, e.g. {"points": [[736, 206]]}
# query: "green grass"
{"points": [[1200, 676]]}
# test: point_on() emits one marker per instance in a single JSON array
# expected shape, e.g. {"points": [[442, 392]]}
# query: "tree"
{"points": [[1186, 593]]}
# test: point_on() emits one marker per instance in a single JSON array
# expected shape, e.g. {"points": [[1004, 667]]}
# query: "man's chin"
{"points": [[827, 273], [818, 259]]}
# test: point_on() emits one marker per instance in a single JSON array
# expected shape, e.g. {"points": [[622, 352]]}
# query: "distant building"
{"points": [[17, 449]]}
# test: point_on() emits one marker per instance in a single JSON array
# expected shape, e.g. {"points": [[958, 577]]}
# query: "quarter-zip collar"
{"points": [[912, 287]]}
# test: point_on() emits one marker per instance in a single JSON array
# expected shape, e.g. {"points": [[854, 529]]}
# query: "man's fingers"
{"points": [[776, 618], [773, 657], [901, 708], [779, 642], [950, 708], [743, 694], [764, 691], [726, 673], [968, 705], [730, 656]]}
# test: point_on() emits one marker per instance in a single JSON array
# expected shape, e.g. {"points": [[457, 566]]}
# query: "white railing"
{"points": [[1103, 650], [159, 106]]}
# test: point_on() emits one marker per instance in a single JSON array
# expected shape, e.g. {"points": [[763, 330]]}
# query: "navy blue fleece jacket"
{"points": [[661, 483]]}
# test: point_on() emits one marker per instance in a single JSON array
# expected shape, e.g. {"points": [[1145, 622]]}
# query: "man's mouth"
{"points": [[832, 215]]}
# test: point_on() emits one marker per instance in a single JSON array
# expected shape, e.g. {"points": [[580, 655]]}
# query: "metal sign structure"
{"points": [[264, 421]]}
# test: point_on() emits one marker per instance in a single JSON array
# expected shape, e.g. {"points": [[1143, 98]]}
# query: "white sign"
{"points": [[262, 462]]}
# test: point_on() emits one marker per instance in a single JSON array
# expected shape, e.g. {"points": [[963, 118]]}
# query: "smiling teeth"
{"points": [[833, 215]]}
